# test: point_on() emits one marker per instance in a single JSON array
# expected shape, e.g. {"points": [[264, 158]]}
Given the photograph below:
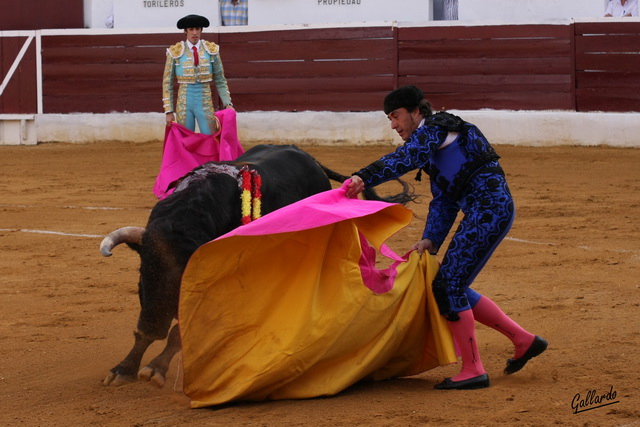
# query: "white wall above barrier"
{"points": [[269, 12], [165, 13], [98, 13], [161, 13], [529, 10]]}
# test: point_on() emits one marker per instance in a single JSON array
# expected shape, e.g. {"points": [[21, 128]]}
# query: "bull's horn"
{"points": [[121, 235]]}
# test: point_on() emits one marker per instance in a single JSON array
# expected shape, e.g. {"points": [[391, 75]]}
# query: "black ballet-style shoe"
{"points": [[536, 348], [481, 381]]}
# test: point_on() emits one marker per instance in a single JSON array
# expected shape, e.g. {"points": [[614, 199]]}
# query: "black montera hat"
{"points": [[408, 97], [193, 21]]}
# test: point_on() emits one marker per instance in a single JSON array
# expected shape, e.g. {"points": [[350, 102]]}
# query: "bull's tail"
{"points": [[405, 196]]}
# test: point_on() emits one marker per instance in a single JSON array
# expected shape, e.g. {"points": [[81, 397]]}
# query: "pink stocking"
{"points": [[489, 314], [464, 333]]}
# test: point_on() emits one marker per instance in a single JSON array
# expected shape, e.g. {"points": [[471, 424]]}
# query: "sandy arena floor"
{"points": [[569, 271]]}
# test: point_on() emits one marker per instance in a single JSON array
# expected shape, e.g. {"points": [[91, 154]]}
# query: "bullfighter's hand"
{"points": [[355, 187], [425, 245], [170, 118]]}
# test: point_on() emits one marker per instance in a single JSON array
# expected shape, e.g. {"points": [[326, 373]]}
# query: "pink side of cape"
{"points": [[323, 209], [184, 150]]}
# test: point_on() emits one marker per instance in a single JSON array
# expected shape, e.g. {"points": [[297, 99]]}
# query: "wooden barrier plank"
{"points": [[608, 99], [485, 48], [289, 69], [334, 33], [114, 102], [465, 66], [539, 31], [105, 55], [607, 79], [319, 101], [493, 83], [599, 27], [315, 84], [113, 40], [620, 63], [310, 50], [608, 43], [501, 100], [74, 72]]}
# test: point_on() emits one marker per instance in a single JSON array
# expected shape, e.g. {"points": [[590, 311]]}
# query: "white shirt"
{"points": [[191, 45], [617, 10]]}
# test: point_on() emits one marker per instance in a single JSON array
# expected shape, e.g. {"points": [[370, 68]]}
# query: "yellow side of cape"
{"points": [[287, 316]]}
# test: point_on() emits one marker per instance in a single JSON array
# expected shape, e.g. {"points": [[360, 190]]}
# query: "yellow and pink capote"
{"points": [[292, 305]]}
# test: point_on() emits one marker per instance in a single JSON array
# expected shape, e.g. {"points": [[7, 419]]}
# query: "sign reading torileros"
{"points": [[161, 13], [163, 3]]}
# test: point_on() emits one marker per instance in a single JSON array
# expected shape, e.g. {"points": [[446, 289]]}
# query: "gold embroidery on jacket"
{"points": [[176, 51], [211, 47]]}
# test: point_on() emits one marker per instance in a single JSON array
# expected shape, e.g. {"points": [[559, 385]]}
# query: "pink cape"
{"points": [[329, 208], [184, 150]]}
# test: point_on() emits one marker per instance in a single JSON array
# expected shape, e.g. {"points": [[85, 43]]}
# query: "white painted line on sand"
{"points": [[90, 208], [583, 247], [515, 239], [58, 233]]}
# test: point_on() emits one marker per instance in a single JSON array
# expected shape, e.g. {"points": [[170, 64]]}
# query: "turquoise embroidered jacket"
{"points": [[180, 66]]}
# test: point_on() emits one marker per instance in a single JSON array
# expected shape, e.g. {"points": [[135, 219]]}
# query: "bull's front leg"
{"points": [[126, 370], [156, 370]]}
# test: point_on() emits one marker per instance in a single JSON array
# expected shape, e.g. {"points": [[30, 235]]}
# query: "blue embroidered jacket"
{"points": [[450, 168]]}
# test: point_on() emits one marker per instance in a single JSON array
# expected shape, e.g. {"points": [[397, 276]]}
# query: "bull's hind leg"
{"points": [[156, 370], [126, 370]]}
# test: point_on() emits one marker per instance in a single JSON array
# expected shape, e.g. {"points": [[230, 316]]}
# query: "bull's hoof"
{"points": [[149, 374], [114, 379]]}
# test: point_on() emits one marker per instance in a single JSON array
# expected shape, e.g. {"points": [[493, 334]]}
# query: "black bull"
{"points": [[206, 208]]}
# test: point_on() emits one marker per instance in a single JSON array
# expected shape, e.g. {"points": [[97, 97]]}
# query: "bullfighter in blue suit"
{"points": [[465, 176]]}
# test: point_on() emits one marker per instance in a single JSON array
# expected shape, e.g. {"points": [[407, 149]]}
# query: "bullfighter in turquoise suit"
{"points": [[194, 63]]}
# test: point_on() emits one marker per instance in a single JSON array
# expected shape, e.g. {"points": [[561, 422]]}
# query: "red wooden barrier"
{"points": [[608, 66], [39, 14], [19, 96], [104, 73], [499, 67], [583, 66], [335, 69]]}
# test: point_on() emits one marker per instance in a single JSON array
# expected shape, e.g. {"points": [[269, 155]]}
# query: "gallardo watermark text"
{"points": [[593, 400]]}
